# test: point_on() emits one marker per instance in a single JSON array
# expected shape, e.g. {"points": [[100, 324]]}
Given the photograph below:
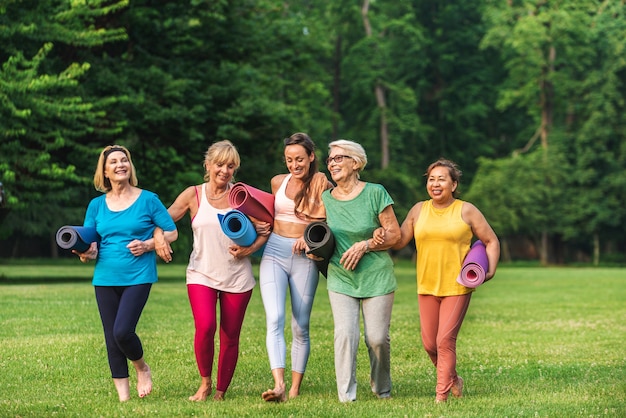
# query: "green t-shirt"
{"points": [[352, 221]]}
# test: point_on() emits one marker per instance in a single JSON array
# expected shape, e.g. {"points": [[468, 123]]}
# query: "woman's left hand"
{"points": [[353, 255], [239, 252], [299, 246], [137, 247], [161, 246]]}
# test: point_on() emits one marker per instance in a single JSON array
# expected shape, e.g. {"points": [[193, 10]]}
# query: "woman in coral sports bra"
{"points": [[285, 266]]}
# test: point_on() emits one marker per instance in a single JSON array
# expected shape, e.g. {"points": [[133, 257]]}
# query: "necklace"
{"points": [[354, 186], [220, 196]]}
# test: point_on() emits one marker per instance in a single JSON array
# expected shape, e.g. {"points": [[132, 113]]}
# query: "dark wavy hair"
{"points": [[302, 139]]}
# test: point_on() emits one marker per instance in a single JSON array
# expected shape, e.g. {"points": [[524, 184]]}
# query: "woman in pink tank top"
{"points": [[219, 271]]}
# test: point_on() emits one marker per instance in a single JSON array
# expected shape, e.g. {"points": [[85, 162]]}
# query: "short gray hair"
{"points": [[355, 150]]}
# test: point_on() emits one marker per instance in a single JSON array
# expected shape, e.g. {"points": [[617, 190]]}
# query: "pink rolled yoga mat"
{"points": [[252, 202], [475, 266]]}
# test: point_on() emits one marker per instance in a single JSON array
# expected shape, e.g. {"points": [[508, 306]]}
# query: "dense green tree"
{"points": [[247, 71], [547, 51], [45, 122], [515, 197], [597, 137], [526, 96], [458, 88]]}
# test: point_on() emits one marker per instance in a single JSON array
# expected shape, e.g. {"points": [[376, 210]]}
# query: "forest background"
{"points": [[528, 97]]}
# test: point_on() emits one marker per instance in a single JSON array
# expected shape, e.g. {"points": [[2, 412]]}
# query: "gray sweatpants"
{"points": [[376, 321]]}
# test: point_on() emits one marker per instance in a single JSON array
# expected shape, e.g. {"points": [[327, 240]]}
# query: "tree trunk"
{"points": [[543, 249], [15, 251], [547, 98], [547, 104], [596, 249], [384, 131], [54, 248], [379, 91], [506, 251], [336, 86]]}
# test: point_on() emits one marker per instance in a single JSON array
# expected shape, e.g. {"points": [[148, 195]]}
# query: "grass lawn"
{"points": [[537, 342]]}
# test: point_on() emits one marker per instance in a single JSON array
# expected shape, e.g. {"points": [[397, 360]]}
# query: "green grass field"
{"points": [[537, 342]]}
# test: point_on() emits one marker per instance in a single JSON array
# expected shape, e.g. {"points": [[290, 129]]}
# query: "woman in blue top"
{"points": [[125, 217], [360, 273]]}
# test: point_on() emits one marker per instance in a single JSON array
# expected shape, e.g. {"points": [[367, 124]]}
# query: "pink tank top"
{"points": [[284, 208], [210, 263]]}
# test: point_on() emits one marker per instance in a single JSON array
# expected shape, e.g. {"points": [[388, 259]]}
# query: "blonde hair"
{"points": [[220, 152], [354, 150], [102, 183]]}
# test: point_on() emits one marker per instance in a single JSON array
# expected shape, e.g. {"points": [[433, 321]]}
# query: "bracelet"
{"points": [[367, 245]]}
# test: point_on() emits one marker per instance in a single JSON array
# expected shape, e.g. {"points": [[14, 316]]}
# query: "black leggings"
{"points": [[120, 308]]}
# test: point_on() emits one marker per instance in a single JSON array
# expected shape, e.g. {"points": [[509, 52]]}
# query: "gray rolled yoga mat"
{"points": [[79, 238], [321, 242]]}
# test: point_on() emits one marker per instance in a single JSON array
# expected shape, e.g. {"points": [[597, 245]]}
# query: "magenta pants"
{"points": [[203, 300], [440, 322]]}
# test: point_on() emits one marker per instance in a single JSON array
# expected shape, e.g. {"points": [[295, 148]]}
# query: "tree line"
{"points": [[527, 97]]}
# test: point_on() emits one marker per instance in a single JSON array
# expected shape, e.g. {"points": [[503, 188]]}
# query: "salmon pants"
{"points": [[440, 321]]}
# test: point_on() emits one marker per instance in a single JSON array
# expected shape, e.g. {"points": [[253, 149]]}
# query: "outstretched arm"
{"points": [[406, 230]]}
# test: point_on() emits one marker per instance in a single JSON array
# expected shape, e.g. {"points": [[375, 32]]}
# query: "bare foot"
{"points": [[457, 388], [219, 395], [203, 391], [294, 392], [144, 382], [274, 395], [123, 389]]}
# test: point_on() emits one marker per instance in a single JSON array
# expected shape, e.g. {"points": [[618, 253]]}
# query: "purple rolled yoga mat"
{"points": [[475, 266]]}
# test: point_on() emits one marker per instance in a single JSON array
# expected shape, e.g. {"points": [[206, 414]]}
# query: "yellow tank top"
{"points": [[442, 240]]}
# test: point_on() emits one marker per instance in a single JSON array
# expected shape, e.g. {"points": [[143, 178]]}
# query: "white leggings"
{"points": [[279, 269]]}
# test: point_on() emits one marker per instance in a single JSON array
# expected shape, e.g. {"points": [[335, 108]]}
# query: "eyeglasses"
{"points": [[337, 159]]}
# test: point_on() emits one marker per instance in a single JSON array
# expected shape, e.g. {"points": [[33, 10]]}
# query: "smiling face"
{"points": [[298, 161], [440, 186], [342, 171], [221, 173], [117, 167]]}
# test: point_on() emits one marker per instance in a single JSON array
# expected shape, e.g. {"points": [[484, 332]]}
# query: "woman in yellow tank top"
{"points": [[443, 228]]}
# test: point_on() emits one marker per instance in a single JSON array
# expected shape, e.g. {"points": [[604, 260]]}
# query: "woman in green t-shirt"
{"points": [[360, 273]]}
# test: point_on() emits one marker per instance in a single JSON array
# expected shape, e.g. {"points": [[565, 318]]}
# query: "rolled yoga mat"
{"points": [[252, 202], [475, 266], [321, 242], [77, 238], [238, 227]]}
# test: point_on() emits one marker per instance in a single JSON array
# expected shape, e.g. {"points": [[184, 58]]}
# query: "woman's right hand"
{"points": [[378, 237], [353, 255], [90, 254]]}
